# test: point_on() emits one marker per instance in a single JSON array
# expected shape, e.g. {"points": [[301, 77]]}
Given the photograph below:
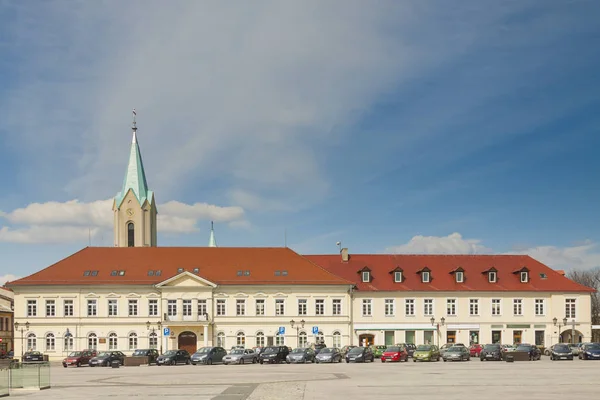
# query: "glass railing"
{"points": [[30, 375], [4, 381]]}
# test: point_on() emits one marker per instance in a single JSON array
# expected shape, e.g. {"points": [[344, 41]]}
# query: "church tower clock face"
{"points": [[130, 212]]}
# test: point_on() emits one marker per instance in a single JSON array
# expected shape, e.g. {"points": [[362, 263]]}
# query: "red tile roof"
{"points": [[219, 265], [441, 266]]}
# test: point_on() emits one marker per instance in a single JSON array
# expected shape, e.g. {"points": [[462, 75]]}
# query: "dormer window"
{"points": [[460, 276], [366, 276], [492, 277], [398, 276], [425, 277], [524, 277]]}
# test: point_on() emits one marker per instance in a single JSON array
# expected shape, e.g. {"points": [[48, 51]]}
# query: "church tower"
{"points": [[134, 207]]}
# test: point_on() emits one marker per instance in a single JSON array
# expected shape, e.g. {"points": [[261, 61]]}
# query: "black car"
{"points": [[590, 351], [301, 355], [209, 355], [491, 352], [410, 348], [274, 354], [173, 357], [561, 352], [319, 347], [533, 351], [360, 354], [151, 354], [329, 355], [105, 358], [32, 356]]}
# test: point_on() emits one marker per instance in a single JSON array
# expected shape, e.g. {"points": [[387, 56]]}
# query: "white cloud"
{"points": [[72, 221], [8, 278], [581, 256]]}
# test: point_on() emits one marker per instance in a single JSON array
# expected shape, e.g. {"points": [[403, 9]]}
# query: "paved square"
{"points": [[461, 380]]}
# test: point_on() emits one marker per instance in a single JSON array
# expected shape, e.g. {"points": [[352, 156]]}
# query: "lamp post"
{"points": [[22, 330], [573, 331], [564, 323], [298, 326], [442, 321], [153, 330]]}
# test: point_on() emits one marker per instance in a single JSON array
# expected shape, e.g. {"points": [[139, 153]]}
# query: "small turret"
{"points": [[211, 240]]}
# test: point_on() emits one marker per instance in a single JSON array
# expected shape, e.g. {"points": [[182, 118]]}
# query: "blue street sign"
{"points": [[281, 330], [166, 331], [315, 330]]}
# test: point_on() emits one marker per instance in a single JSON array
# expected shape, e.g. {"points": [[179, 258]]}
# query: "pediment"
{"points": [[186, 279], [113, 295]]}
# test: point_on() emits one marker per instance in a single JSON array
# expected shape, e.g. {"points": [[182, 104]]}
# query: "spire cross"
{"points": [[134, 127]]}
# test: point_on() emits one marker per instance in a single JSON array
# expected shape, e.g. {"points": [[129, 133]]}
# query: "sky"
{"points": [[391, 127]]}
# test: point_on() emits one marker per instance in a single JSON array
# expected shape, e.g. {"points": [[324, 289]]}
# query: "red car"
{"points": [[79, 358], [395, 353], [475, 350]]}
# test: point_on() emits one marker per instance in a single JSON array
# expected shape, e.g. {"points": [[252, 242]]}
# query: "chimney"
{"points": [[345, 256]]}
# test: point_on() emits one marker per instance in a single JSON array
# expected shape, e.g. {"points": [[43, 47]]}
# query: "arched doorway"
{"points": [[187, 341], [366, 339], [571, 336]]}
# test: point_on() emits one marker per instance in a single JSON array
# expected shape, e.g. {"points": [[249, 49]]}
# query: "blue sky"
{"points": [[402, 127]]}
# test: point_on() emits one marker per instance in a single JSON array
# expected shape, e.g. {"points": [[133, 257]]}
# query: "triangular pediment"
{"points": [[186, 279]]}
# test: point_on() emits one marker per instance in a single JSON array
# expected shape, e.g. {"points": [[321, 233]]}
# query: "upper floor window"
{"points": [[202, 309], [460, 277], [518, 307], [91, 308], [409, 305], [130, 235], [187, 308], [68, 308], [492, 276], [428, 307], [153, 307], [221, 307], [279, 307], [260, 307], [451, 306], [240, 307], [473, 307], [301, 306], [171, 308], [425, 278], [539, 306], [320, 307], [133, 308], [113, 310], [496, 307], [398, 276], [389, 307], [524, 276], [50, 308], [31, 308], [366, 307], [570, 308], [336, 307], [366, 276]]}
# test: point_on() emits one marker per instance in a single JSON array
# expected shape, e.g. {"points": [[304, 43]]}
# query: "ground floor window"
{"points": [[279, 340], [517, 337], [241, 339], [410, 337], [427, 337], [302, 339], [31, 342], [260, 339], [337, 339], [92, 341], [112, 341], [451, 337], [221, 339], [68, 343], [320, 338], [496, 337], [474, 337], [539, 338], [153, 340], [133, 341], [50, 342]]}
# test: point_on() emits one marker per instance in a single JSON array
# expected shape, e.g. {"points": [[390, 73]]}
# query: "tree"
{"points": [[590, 278]]}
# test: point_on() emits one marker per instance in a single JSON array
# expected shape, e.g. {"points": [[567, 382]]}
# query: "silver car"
{"points": [[457, 353], [240, 356]]}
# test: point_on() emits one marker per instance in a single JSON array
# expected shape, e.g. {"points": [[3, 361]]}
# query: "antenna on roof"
{"points": [[339, 245]]}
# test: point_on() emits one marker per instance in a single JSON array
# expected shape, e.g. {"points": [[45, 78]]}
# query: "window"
{"points": [[92, 341], [409, 307], [196, 270], [180, 270], [240, 307], [398, 276], [130, 235], [133, 341], [113, 273], [171, 308], [221, 307], [474, 307], [337, 339], [366, 276], [202, 307], [221, 339], [50, 308], [302, 339], [425, 277], [187, 308], [113, 342], [524, 276], [389, 307], [518, 307], [112, 308], [50, 342], [153, 307], [301, 306], [151, 273], [279, 340], [336, 306], [31, 342], [31, 308], [279, 307], [241, 339], [320, 337], [451, 306], [428, 306], [68, 345], [492, 276], [570, 308], [320, 307], [153, 340], [460, 277], [86, 273], [94, 273], [133, 308], [496, 307], [68, 308], [539, 306], [284, 273], [260, 339], [366, 307], [240, 273], [260, 307], [91, 308]]}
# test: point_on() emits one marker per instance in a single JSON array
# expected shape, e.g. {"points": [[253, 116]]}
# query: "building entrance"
{"points": [[366, 340], [187, 341]]}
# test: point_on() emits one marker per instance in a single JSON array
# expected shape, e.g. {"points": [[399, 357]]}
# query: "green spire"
{"points": [[211, 240], [135, 177]]}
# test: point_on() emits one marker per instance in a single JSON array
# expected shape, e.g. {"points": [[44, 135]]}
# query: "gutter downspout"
{"points": [[351, 293]]}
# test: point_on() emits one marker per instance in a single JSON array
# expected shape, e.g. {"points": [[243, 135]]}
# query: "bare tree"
{"points": [[590, 278]]}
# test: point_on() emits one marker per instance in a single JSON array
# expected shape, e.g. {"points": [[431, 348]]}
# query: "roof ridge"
{"points": [[322, 268]]}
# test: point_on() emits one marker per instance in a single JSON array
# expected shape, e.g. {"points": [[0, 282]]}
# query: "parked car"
{"points": [[534, 352], [475, 350], [240, 356], [345, 350], [301, 355], [507, 348], [561, 352], [548, 350], [173, 357], [151, 354], [590, 351], [457, 353], [360, 354], [32, 356], [377, 350], [319, 347], [105, 358], [258, 350], [395, 354], [274, 355], [209, 355], [235, 348], [329, 355], [411, 348], [576, 348], [79, 358], [426, 352], [491, 352]]}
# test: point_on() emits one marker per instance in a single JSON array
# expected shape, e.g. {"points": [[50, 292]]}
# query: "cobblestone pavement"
{"points": [[462, 380]]}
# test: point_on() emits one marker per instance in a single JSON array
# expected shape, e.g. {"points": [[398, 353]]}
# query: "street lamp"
{"points": [[298, 326], [153, 330], [442, 321], [564, 323], [573, 331], [22, 330]]}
